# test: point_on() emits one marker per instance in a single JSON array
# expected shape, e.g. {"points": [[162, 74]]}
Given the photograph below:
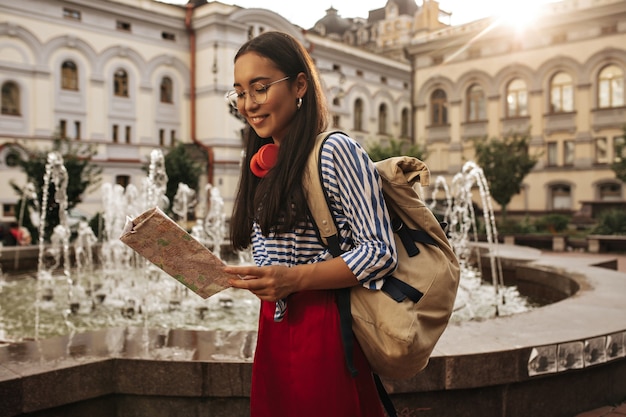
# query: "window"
{"points": [[601, 151], [69, 76], [122, 180], [127, 134], [71, 14], [168, 36], [166, 90], [12, 159], [358, 115], [10, 99], [439, 107], [610, 191], [476, 110], [383, 80], [336, 119], [62, 129], [404, 123], [562, 93], [115, 133], [121, 25], [561, 197], [568, 152], [611, 87], [173, 138], [382, 119], [517, 99], [161, 137], [552, 154], [120, 83], [8, 210]]}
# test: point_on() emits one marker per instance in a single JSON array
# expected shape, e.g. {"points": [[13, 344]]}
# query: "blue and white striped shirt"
{"points": [[366, 236]]}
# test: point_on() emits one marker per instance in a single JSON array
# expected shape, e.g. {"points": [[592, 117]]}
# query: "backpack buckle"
{"points": [[397, 224]]}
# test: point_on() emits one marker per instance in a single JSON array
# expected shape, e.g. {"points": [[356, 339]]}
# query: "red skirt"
{"points": [[299, 366]]}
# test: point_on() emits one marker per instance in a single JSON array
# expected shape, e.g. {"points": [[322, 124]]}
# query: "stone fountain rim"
{"points": [[482, 345], [597, 297]]}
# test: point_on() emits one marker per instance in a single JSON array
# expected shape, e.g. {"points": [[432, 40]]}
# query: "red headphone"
{"points": [[264, 160]]}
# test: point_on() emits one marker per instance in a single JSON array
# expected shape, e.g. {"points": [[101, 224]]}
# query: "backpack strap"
{"points": [[327, 230], [317, 198]]}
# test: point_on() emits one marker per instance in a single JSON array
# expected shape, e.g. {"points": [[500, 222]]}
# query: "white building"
{"points": [[130, 76]]}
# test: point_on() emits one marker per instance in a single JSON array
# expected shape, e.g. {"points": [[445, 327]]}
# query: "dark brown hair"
{"points": [[277, 201]]}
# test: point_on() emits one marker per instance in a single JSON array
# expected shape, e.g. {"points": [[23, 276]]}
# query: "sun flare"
{"points": [[520, 15]]}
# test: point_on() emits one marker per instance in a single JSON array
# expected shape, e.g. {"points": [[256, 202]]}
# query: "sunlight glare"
{"points": [[519, 15]]}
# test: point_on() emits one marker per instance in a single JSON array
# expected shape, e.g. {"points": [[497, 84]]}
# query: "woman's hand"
{"points": [[269, 283], [272, 283]]}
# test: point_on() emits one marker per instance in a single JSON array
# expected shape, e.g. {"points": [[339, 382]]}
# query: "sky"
{"points": [[306, 13]]}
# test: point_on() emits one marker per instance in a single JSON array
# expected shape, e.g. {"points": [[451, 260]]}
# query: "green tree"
{"points": [[183, 164], [619, 163], [82, 175], [505, 163], [395, 148]]}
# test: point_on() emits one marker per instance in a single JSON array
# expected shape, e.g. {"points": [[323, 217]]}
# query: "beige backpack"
{"points": [[398, 326]]}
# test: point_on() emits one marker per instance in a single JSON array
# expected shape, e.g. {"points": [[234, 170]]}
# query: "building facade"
{"points": [[131, 76], [561, 80]]}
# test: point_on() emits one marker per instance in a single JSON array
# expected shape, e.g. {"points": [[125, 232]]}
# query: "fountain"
{"points": [[510, 365]]}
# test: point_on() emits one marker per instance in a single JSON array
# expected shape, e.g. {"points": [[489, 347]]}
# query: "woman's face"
{"points": [[273, 117]]}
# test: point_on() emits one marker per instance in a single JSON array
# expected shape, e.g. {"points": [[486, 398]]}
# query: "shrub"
{"points": [[512, 227], [553, 223], [611, 222]]}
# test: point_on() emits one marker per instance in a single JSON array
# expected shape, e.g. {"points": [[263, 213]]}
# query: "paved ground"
{"points": [[613, 410]]}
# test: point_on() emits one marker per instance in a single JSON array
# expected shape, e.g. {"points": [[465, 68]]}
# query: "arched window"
{"points": [[562, 93], [69, 76], [561, 197], [120, 83], [382, 119], [611, 87], [358, 114], [517, 99], [404, 123], [476, 103], [439, 106], [610, 191], [10, 99], [166, 90]]}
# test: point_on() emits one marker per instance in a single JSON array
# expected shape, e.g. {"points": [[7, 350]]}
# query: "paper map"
{"points": [[167, 245]]}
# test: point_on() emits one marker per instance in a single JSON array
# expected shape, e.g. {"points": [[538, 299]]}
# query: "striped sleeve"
{"points": [[357, 203]]}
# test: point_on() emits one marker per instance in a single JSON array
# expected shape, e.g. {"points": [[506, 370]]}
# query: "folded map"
{"points": [[163, 242]]}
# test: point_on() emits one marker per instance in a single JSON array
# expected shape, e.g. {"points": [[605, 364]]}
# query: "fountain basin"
{"points": [[557, 360]]}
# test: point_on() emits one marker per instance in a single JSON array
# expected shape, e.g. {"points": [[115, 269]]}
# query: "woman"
{"points": [[299, 368]]}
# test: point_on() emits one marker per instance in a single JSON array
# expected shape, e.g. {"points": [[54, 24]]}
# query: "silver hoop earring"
{"points": [[299, 103]]}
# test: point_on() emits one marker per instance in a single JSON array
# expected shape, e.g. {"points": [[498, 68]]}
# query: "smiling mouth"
{"points": [[257, 119]]}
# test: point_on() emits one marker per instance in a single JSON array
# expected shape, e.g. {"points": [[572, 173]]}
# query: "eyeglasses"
{"points": [[257, 92]]}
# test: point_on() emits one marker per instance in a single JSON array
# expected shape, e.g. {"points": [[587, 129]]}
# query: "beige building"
{"points": [[561, 78]]}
